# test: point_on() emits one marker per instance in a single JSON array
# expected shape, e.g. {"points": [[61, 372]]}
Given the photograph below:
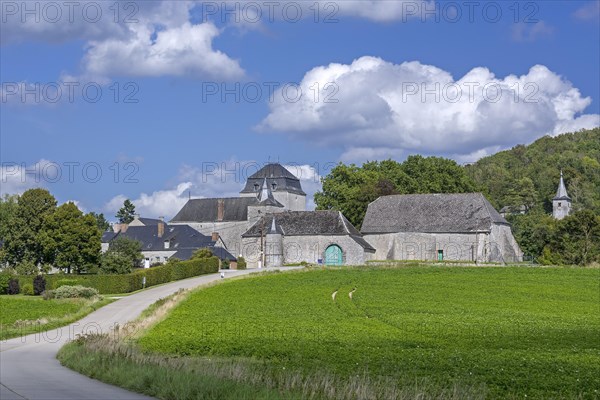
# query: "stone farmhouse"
{"points": [[268, 225], [161, 241], [460, 227]]}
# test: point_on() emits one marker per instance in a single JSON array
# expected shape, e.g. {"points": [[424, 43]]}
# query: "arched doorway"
{"points": [[333, 255]]}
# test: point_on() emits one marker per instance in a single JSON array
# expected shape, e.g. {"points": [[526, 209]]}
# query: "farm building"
{"points": [[273, 195], [461, 227], [161, 241]]}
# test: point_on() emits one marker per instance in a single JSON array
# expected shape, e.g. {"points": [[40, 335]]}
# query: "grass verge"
{"points": [[24, 315]]}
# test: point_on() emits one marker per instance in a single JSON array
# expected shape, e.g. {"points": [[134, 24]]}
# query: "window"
{"points": [[559, 204], [273, 186], [256, 187]]}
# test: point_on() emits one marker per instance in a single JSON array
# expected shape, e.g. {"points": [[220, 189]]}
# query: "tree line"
{"points": [[523, 178], [36, 235]]}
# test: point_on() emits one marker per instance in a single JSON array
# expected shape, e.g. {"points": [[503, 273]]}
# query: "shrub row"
{"points": [[71, 292], [126, 283]]}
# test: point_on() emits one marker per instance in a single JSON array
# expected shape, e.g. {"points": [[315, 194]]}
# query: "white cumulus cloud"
{"points": [[374, 108]]}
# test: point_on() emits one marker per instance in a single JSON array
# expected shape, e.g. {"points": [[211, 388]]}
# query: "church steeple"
{"points": [[561, 203]]}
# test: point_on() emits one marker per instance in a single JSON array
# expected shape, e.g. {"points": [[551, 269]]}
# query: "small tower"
{"points": [[561, 203], [274, 245]]}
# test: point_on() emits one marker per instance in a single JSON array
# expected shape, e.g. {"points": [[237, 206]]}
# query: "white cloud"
{"points": [[150, 38], [185, 50], [17, 177], [160, 203], [526, 32], [589, 11], [383, 109]]}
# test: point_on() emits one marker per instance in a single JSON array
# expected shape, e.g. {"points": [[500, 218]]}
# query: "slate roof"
{"points": [[561, 192], [431, 213], [309, 223], [149, 221], [183, 239], [205, 210], [186, 254], [275, 174]]}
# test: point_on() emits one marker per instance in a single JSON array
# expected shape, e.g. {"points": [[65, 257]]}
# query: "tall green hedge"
{"points": [[134, 281]]}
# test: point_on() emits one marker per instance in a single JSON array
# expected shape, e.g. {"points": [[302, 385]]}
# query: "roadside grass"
{"points": [[388, 333], [24, 315]]}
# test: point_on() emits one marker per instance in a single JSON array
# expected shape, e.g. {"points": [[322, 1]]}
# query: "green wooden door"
{"points": [[333, 255], [440, 255]]}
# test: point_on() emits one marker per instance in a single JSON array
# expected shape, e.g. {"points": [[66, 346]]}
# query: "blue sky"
{"points": [[388, 75]]}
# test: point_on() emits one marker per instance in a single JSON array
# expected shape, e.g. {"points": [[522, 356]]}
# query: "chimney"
{"points": [[136, 216], [214, 236], [161, 227], [116, 228], [220, 209]]}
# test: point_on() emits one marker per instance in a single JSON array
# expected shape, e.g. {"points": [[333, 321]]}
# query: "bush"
{"points": [[226, 263], [71, 292], [13, 286], [4, 279], [66, 282], [241, 263], [202, 253], [39, 285], [27, 289], [171, 271], [26, 268]]}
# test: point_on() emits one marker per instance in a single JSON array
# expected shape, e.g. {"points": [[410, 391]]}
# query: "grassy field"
{"points": [[22, 315], [422, 332]]}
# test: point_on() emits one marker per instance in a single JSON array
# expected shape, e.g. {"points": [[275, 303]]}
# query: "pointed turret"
{"points": [[561, 203], [561, 192]]}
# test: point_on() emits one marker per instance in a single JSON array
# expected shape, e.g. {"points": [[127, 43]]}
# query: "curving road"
{"points": [[28, 365]]}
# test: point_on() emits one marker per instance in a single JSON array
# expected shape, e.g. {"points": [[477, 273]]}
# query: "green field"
{"points": [[500, 332], [21, 315]]}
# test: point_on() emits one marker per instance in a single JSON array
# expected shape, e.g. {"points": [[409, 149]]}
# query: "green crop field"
{"points": [[20, 315], [500, 332]]}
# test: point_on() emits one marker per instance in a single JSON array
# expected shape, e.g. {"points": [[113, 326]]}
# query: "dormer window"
{"points": [[256, 187], [273, 186]]}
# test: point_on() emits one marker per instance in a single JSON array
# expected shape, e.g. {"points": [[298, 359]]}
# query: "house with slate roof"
{"points": [[460, 227], [325, 237], [161, 241], [269, 225]]}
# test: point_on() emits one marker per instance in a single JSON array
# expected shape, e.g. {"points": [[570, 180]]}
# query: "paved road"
{"points": [[28, 365]]}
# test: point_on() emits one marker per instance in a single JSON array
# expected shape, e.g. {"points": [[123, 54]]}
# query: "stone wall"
{"points": [[307, 248], [498, 245]]}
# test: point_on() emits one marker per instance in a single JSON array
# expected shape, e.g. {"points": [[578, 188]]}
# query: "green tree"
{"points": [[71, 239], [115, 263], [8, 211], [126, 213], [101, 222], [576, 240], [350, 189], [129, 248], [23, 241]]}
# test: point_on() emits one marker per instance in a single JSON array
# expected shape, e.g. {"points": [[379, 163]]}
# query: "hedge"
{"points": [[126, 283]]}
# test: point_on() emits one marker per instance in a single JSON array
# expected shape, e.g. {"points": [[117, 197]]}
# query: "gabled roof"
{"points": [[186, 254], [431, 213], [561, 192], [205, 210], [181, 238], [308, 223], [277, 177]]}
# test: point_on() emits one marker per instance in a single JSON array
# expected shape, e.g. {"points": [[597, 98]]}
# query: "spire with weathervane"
{"points": [[561, 203]]}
